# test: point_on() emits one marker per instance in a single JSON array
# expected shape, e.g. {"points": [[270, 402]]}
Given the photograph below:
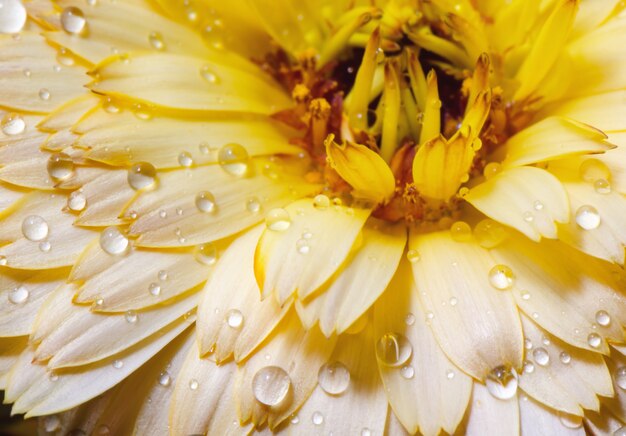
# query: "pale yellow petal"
{"points": [[603, 423], [11, 348], [537, 419], [616, 404], [282, 266], [106, 196], [9, 195], [526, 198], [601, 111], [480, 329], [489, 415]]}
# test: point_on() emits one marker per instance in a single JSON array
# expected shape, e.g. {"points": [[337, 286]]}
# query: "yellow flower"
{"points": [[305, 217]]}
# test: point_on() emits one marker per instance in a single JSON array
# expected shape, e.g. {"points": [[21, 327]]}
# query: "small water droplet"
{"points": [[3, 260], [163, 275], [131, 316], [205, 202], [529, 367], [44, 94], [165, 379], [110, 106], [334, 378], [528, 216], [489, 233], [449, 374], [570, 421], [51, 423], [601, 186], [12, 123], [193, 384], [408, 372], [156, 41], [278, 220], [209, 75], [501, 277], [73, 20], [541, 356], [234, 319], [588, 217], [163, 213], [233, 158], [525, 294], [502, 382], [413, 256], [270, 385], [142, 175], [321, 202], [409, 319], [206, 254], [12, 16], [35, 228], [565, 358], [538, 205], [118, 364], [45, 246], [113, 242], [366, 432], [528, 344], [603, 318], [77, 201], [294, 419], [594, 340], [253, 205], [60, 166], [19, 295], [461, 231], [317, 418], [620, 377], [154, 289], [185, 159], [453, 301], [492, 169], [302, 246], [393, 349]]}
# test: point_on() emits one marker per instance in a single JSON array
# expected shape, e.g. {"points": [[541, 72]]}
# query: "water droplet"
{"points": [[393, 349], [113, 242], [413, 256], [154, 289], [253, 205], [409, 319], [541, 356], [205, 202], [12, 123], [193, 384], [12, 16], [620, 377], [601, 186], [492, 169], [206, 254], [118, 364], [594, 340], [60, 166], [501, 277], [165, 379], [334, 378], [565, 358], [35, 228], [489, 233], [233, 158], [587, 217], [3, 260], [44, 94], [110, 106], [570, 421], [163, 275], [302, 246], [529, 367], [408, 372], [45, 246], [525, 294], [321, 202], [603, 318], [185, 159], [51, 423], [461, 231], [19, 294], [528, 344], [278, 220], [528, 216], [449, 374], [209, 75], [593, 169], [317, 418], [453, 301], [270, 385], [502, 382], [294, 419], [234, 318], [366, 432], [141, 175], [156, 41], [131, 316], [538, 205], [77, 201]]}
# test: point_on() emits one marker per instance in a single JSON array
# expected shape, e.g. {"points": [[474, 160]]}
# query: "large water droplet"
{"points": [[12, 123], [541, 356], [502, 382], [19, 294], [205, 202], [461, 231], [233, 158], [334, 378], [588, 217], [12, 16], [278, 220], [603, 318], [73, 20], [234, 318], [270, 385], [60, 166], [489, 233], [594, 169], [321, 202], [408, 372], [77, 201], [141, 175], [156, 41], [492, 169], [393, 349], [113, 242], [501, 277], [594, 340], [206, 254], [35, 228], [620, 377]]}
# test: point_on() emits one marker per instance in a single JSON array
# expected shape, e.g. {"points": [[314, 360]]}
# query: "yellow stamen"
{"points": [[391, 112], [432, 110], [417, 79], [360, 96]]}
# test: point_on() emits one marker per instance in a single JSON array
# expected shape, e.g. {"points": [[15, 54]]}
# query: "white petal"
{"points": [[489, 415]]}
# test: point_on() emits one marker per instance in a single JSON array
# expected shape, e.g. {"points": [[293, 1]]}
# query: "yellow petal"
{"points": [[283, 267], [364, 169], [601, 111], [488, 318], [526, 198], [616, 404], [603, 422], [11, 348], [106, 197], [429, 399], [536, 418], [489, 415]]}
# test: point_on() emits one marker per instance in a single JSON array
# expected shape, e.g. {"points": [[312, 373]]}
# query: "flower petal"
{"points": [[617, 402], [535, 418], [106, 196], [489, 415], [482, 330]]}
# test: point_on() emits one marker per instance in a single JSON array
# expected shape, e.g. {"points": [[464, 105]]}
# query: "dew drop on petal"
{"points": [[529, 367], [102, 429], [501, 277], [234, 319], [209, 75], [408, 372], [594, 340], [334, 378], [295, 419], [156, 41], [113, 242], [538, 205], [489, 233], [278, 220], [588, 217], [603, 318], [77, 201], [565, 357], [44, 94], [317, 418], [409, 319], [253, 205], [12, 16], [321, 202], [12, 124], [162, 275], [413, 256], [502, 382], [19, 295], [185, 159], [118, 364], [593, 169], [131, 316], [73, 20], [154, 289], [492, 169], [393, 349], [570, 421], [461, 231], [45, 246], [270, 385], [541, 356], [620, 377], [601, 186], [302, 246], [205, 202], [233, 158], [206, 254], [165, 379], [193, 384], [142, 175], [60, 166], [35, 228]]}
